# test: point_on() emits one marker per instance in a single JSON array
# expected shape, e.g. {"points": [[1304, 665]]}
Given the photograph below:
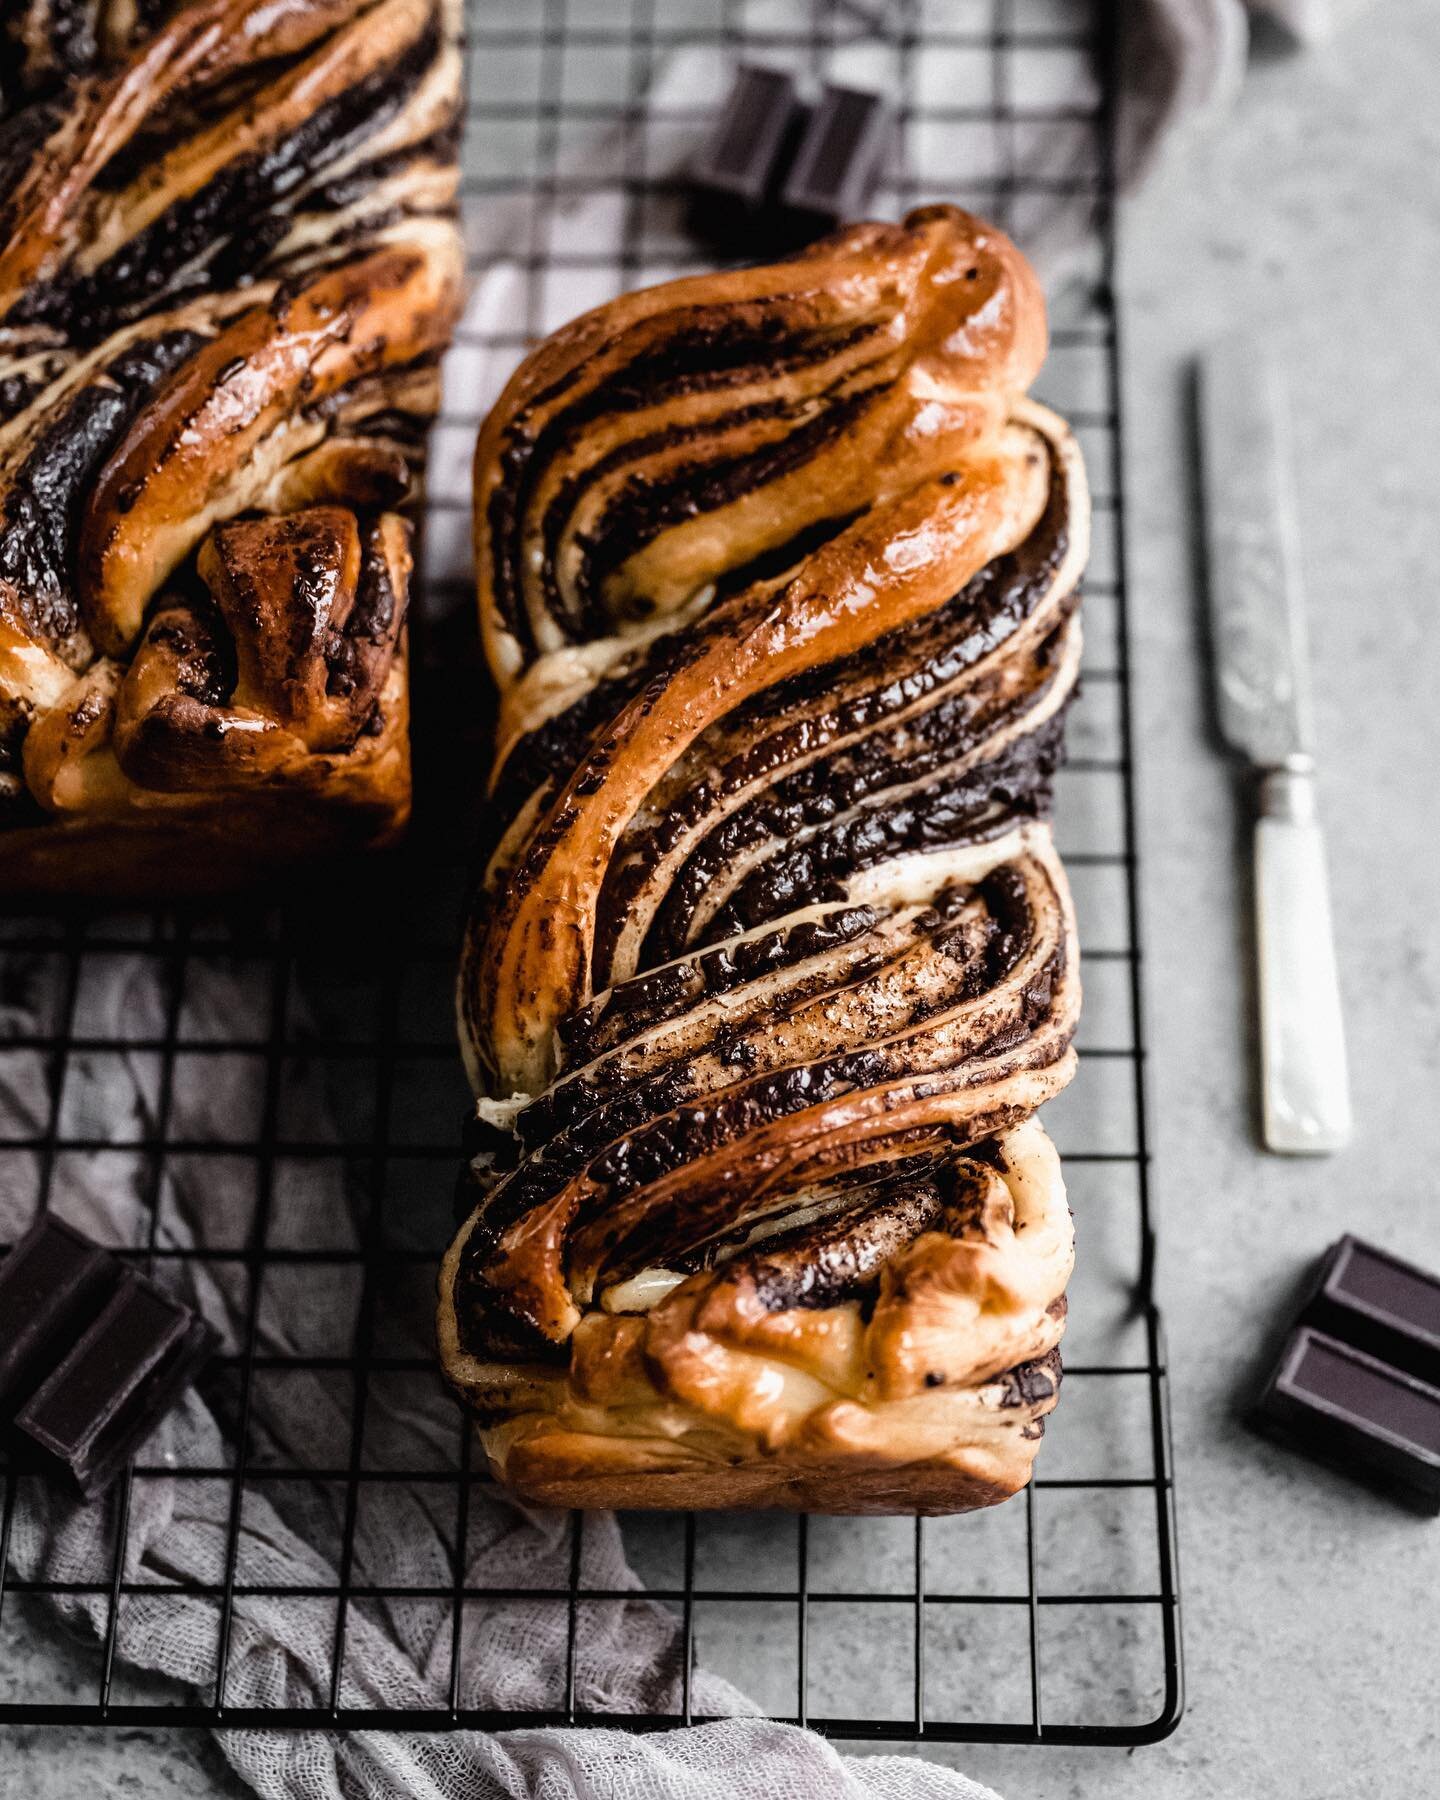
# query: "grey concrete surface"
{"points": [[1312, 1610]]}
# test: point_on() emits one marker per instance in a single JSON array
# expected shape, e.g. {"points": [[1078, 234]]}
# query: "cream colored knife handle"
{"points": [[1306, 1099]]}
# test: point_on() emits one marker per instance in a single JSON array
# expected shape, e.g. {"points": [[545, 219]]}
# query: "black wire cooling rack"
{"points": [[1052, 1619]]}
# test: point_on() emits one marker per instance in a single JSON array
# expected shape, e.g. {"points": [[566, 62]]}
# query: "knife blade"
{"points": [[1262, 692], [1261, 657]]}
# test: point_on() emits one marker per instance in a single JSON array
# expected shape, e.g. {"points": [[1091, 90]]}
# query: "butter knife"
{"points": [[1263, 701]]}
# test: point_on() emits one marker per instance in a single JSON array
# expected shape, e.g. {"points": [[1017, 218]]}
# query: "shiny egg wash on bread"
{"points": [[229, 263], [771, 960]]}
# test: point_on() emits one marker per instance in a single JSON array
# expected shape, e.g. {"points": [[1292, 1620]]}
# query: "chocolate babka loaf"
{"points": [[772, 959], [228, 265]]}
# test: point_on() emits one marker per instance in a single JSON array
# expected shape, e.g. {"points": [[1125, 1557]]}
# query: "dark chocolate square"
{"points": [[740, 156], [839, 159], [734, 180], [1358, 1414], [1386, 1307], [92, 1354], [108, 1394], [52, 1284]]}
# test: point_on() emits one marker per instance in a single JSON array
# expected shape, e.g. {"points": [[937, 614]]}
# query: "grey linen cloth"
{"points": [[1183, 62], [1184, 59], [397, 1653]]}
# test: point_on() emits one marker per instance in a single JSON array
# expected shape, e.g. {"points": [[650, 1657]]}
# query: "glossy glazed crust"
{"points": [[884, 355], [228, 266], [773, 958]]}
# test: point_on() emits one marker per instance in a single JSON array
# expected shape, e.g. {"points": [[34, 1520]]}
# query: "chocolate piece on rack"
{"points": [[1358, 1414], [52, 1284], [838, 162], [1381, 1305], [113, 1388], [733, 180], [92, 1354]]}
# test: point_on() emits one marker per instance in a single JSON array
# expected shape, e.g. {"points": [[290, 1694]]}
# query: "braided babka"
{"points": [[772, 959], [229, 262]]}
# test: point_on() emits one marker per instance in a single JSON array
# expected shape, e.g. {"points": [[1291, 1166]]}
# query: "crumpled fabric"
{"points": [[1183, 64]]}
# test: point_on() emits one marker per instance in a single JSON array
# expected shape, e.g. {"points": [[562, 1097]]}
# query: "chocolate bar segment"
{"points": [[839, 160], [51, 1286], [1384, 1306], [1357, 1414], [92, 1354], [733, 180]]}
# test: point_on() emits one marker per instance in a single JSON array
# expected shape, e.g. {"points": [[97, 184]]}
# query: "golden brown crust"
{"points": [[937, 1373], [228, 266], [757, 1487], [773, 957], [198, 851]]}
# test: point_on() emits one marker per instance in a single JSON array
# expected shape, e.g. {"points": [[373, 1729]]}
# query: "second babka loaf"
{"points": [[228, 265]]}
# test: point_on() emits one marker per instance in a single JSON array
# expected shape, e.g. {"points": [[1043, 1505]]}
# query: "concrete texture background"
{"points": [[1312, 1625]]}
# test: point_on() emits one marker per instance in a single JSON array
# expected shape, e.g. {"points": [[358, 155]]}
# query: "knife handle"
{"points": [[1306, 1095]]}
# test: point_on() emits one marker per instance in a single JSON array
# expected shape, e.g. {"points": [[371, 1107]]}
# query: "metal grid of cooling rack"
{"points": [[1053, 1619]]}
